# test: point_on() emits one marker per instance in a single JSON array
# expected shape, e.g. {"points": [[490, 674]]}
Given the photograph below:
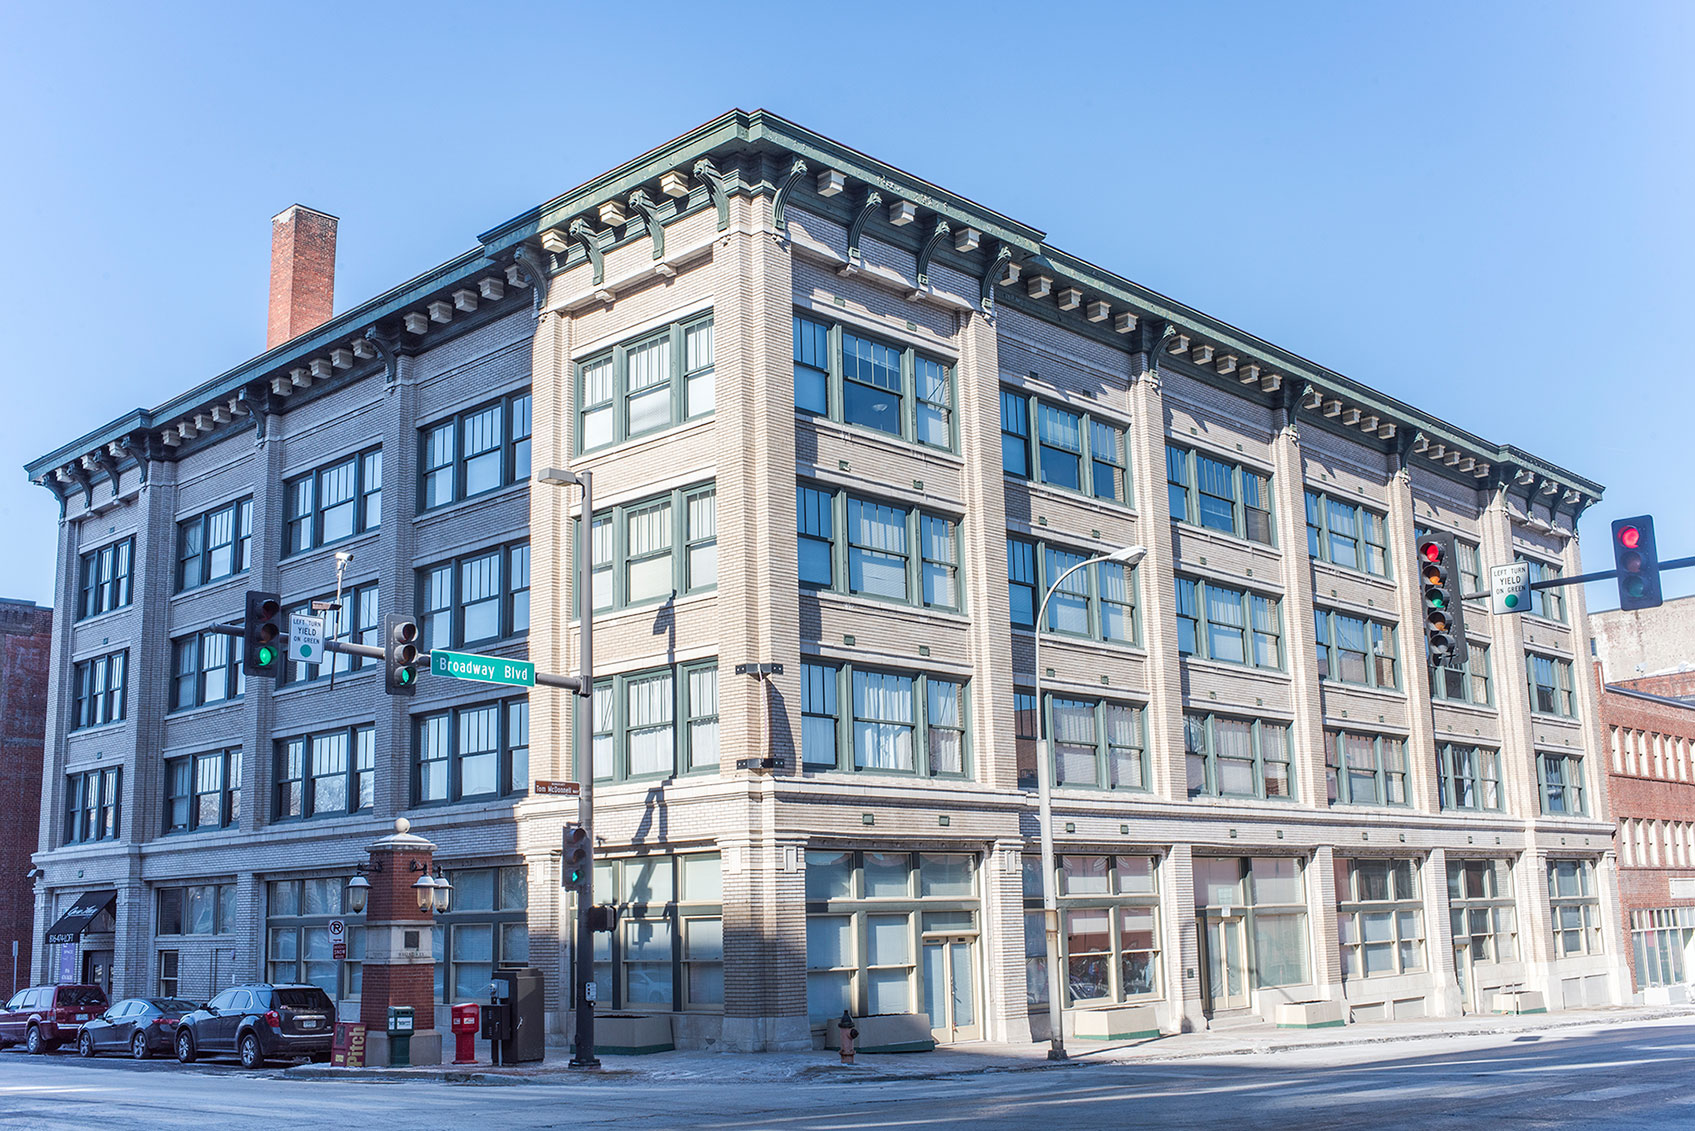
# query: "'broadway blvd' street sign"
{"points": [[484, 669]]}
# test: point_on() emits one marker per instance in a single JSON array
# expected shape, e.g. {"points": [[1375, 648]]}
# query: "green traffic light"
{"points": [[267, 655], [1436, 601], [404, 676]]}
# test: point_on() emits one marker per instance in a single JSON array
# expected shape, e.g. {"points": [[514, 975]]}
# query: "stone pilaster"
{"points": [[1288, 492], [1148, 428]]}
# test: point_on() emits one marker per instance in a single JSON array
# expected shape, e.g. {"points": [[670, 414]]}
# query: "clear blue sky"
{"points": [[1482, 209]]}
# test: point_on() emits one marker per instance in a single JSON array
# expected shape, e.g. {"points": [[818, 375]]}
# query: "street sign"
{"points": [[557, 789], [306, 638], [338, 940], [1509, 588], [483, 669]]}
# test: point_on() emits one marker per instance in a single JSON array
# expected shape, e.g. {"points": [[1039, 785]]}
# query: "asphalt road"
{"points": [[1634, 1077]]}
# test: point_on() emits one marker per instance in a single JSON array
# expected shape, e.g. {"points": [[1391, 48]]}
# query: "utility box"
{"points": [[521, 990], [400, 1036]]}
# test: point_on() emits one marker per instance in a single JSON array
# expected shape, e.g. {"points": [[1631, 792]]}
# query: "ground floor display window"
{"points": [[1252, 918], [487, 925], [1379, 917], [1108, 928], [297, 936], [667, 952], [1663, 942], [1484, 918]]}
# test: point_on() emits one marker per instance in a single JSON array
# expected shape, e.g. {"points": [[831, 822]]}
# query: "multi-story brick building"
{"points": [[1645, 672], [846, 422], [26, 634]]}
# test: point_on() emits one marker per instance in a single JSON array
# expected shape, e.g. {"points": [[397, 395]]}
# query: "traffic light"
{"points": [[574, 867], [261, 654], [1637, 560], [400, 654], [1439, 598]]}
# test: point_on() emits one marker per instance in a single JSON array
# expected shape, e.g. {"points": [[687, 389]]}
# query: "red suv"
{"points": [[42, 1018]]}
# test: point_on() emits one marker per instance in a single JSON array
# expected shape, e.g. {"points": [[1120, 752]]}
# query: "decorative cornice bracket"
{"points": [[528, 262], [590, 239], [779, 203], [873, 200], [705, 170], [991, 276], [937, 235], [650, 215], [387, 347]]}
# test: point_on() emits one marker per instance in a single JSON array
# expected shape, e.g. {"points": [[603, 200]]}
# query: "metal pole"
{"points": [[583, 766]]}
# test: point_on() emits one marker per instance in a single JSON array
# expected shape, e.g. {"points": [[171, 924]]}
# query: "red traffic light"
{"points": [[1432, 551], [1629, 537]]}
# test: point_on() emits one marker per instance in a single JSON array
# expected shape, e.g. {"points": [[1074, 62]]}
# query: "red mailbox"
{"points": [[465, 1025]]}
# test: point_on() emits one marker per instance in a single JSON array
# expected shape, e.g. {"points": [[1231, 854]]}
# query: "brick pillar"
{"points": [[399, 966], [1289, 495], [1322, 918], [1186, 1009], [1148, 427], [1004, 990], [1446, 999]]}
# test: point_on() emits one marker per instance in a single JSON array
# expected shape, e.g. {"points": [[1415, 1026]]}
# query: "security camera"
{"points": [[343, 556]]}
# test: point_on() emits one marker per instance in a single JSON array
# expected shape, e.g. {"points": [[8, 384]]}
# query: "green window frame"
{"points": [[1228, 625], [1379, 918], [654, 724], [667, 952], [105, 576], [854, 378], [1214, 492], [1269, 892], [1574, 906], [1345, 534], [479, 597], [638, 547], [205, 670], [1468, 683], [1095, 603], [1552, 691], [1109, 938], [1365, 769], [1064, 446], [1097, 744], [297, 936], [203, 791], [1559, 780], [328, 773], [474, 452], [195, 909], [214, 545], [93, 806], [487, 926], [1231, 756], [1469, 777], [645, 385], [1550, 604], [884, 721], [478, 751], [867, 547], [1356, 650], [333, 503]]}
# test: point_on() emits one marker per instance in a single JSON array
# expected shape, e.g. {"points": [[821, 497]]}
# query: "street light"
{"points": [[1128, 555], [582, 763]]}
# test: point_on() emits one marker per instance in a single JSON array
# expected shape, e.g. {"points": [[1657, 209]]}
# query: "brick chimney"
{"points": [[302, 272]]}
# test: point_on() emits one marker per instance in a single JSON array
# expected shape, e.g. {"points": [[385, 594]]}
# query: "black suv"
{"points": [[259, 1023]]}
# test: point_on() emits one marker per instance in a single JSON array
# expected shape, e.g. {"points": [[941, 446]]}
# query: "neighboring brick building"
{"points": [[848, 422], [26, 641], [1645, 669]]}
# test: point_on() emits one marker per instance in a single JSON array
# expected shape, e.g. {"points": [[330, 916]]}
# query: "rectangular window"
{"points": [[469, 752], [1380, 918], [1213, 624], [479, 598], [1109, 936], [1269, 893], [1218, 494], [1547, 603], [203, 791], [1345, 534], [1470, 777], [899, 722], [1483, 914], [99, 690], [1365, 769], [869, 548], [668, 951], [105, 578], [333, 502], [477, 451], [645, 385], [1560, 777], [1551, 687], [214, 545], [1468, 683], [1574, 907], [330, 773], [91, 805], [1355, 650], [1097, 602], [1076, 450], [206, 668], [846, 376], [356, 621], [655, 549], [1228, 757], [1097, 743], [198, 909], [643, 730], [168, 978]]}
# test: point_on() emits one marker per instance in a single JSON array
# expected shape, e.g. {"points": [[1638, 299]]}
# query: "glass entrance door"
{"points": [[1225, 960], [950, 988], [1463, 974]]}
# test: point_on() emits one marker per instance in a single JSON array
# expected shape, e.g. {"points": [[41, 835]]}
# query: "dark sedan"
{"points": [[140, 1026]]}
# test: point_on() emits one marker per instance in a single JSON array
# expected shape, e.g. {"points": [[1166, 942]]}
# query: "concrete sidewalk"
{"points": [[982, 1056]]}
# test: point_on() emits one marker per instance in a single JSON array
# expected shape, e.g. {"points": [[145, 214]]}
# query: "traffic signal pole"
{"points": [[582, 765]]}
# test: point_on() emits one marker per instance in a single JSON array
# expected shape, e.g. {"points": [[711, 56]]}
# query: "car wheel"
{"points": [[33, 1044], [138, 1047], [252, 1056], [85, 1045], [185, 1048]]}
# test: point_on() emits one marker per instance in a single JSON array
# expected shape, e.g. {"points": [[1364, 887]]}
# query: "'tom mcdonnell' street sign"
{"points": [[484, 669]]}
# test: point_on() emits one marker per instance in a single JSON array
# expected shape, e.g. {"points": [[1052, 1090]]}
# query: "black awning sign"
{"points": [[74, 922]]}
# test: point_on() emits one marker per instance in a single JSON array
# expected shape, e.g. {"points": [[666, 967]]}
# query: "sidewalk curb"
{"points": [[1123, 1055]]}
